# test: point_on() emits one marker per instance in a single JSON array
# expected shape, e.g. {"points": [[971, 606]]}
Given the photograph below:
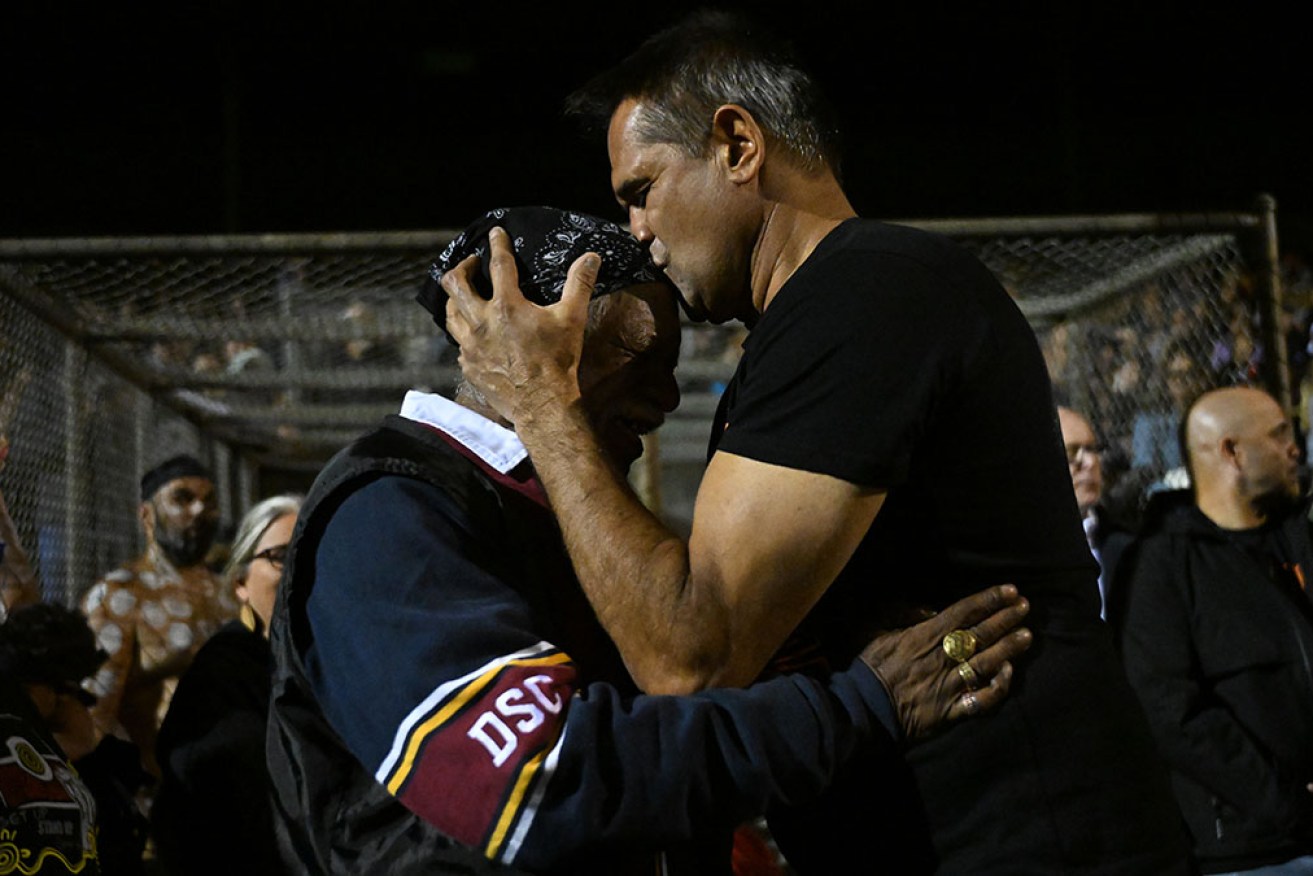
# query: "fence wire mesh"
{"points": [[263, 354], [1134, 328], [78, 438]]}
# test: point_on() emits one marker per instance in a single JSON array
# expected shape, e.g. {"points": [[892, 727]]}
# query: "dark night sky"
{"points": [[277, 116]]}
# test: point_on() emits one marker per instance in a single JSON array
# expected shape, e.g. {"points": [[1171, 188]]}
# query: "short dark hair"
{"points": [[183, 465], [710, 58], [46, 643]]}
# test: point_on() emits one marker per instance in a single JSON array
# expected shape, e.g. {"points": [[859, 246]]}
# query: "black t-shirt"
{"points": [[893, 359]]}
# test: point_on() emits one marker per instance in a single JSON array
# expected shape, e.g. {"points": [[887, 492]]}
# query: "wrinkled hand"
{"points": [[925, 683], [518, 354]]}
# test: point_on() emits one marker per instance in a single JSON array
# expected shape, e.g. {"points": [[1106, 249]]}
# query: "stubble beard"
{"points": [[1277, 500], [184, 548]]}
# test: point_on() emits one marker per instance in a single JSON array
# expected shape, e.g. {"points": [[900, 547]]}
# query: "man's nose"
{"points": [[638, 225], [667, 393]]}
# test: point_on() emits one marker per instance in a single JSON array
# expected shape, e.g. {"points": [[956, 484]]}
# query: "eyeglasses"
{"points": [[274, 556], [1076, 451]]}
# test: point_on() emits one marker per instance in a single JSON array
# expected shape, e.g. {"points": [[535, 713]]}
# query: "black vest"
{"points": [[332, 816]]}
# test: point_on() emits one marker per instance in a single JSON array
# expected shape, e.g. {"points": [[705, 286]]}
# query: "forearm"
{"points": [[672, 629], [679, 768]]}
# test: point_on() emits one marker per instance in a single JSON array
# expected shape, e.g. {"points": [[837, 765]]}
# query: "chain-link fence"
{"points": [[263, 355], [79, 437], [1139, 314]]}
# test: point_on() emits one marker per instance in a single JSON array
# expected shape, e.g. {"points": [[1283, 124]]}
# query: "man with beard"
{"points": [[152, 615], [1218, 629]]}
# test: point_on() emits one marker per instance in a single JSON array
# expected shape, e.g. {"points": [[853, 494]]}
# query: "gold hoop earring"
{"points": [[248, 617]]}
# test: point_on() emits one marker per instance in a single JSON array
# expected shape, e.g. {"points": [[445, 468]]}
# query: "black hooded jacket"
{"points": [[1217, 637]]}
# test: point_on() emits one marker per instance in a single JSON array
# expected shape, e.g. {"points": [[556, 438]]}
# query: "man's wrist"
{"points": [[552, 422], [877, 695], [547, 401]]}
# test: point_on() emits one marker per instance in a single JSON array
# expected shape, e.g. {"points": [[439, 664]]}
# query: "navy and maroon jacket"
{"points": [[446, 702]]}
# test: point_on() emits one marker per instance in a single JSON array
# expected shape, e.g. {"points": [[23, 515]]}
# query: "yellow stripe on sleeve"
{"points": [[458, 702]]}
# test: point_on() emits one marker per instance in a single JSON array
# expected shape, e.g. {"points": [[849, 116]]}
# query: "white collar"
{"points": [[1091, 523], [496, 445]]}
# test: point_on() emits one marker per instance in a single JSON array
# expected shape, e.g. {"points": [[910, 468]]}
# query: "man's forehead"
{"points": [[632, 157], [1074, 425], [197, 485], [1273, 420], [1238, 412], [1261, 407], [620, 133]]}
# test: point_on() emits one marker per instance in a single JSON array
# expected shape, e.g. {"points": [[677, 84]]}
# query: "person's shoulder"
{"points": [[235, 636], [1168, 510], [116, 593], [899, 263], [128, 575], [1171, 522], [391, 503], [231, 644], [918, 245]]}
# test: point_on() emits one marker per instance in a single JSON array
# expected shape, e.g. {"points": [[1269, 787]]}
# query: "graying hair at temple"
{"points": [[711, 58]]}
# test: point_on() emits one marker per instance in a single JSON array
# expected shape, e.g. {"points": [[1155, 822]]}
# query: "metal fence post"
{"points": [[76, 477], [1267, 276]]}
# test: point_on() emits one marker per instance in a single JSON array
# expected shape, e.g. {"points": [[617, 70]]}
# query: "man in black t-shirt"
{"points": [[890, 427], [1218, 630]]}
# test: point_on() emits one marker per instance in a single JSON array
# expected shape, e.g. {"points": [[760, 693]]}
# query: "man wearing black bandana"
{"points": [[153, 615], [888, 440], [444, 698]]}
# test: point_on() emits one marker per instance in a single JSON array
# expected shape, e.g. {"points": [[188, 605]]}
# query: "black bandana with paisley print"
{"points": [[546, 242]]}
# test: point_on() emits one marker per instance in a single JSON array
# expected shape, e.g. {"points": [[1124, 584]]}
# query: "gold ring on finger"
{"points": [[959, 645], [969, 676]]}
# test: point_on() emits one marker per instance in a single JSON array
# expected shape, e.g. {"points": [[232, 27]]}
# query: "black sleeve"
{"points": [[844, 376]]}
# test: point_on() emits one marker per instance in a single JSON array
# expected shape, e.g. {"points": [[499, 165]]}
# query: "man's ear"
{"points": [[738, 142], [146, 514], [1229, 451]]}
